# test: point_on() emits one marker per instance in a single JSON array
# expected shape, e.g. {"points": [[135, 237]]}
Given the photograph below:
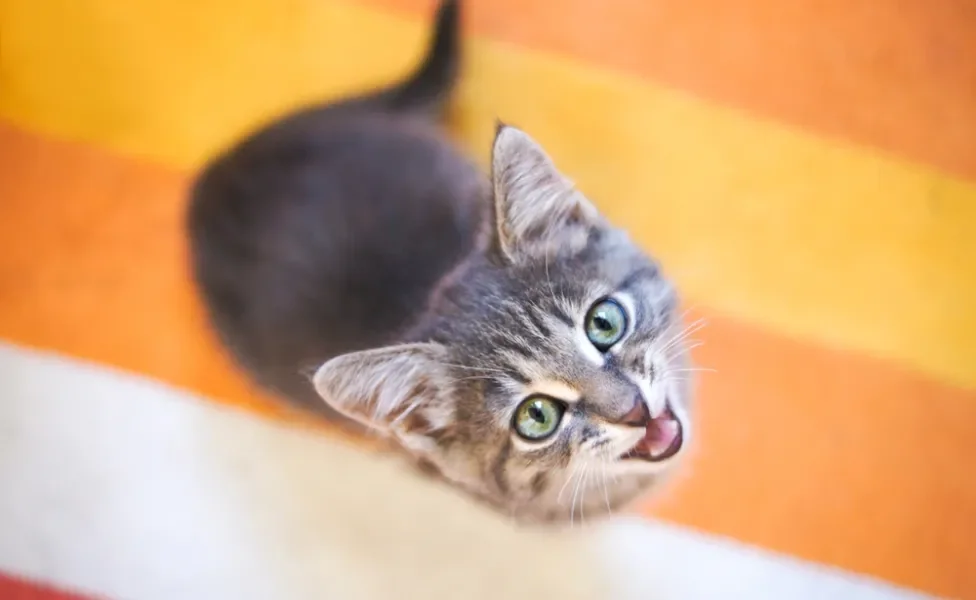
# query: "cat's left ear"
{"points": [[391, 389], [538, 211]]}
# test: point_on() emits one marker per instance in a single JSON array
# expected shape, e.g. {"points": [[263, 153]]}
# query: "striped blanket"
{"points": [[805, 170]]}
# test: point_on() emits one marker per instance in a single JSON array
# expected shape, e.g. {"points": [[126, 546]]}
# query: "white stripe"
{"points": [[678, 563], [125, 488]]}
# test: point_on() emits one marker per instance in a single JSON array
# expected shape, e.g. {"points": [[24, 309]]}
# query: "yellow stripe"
{"points": [[800, 234]]}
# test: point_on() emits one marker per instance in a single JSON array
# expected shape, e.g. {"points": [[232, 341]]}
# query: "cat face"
{"points": [[549, 379]]}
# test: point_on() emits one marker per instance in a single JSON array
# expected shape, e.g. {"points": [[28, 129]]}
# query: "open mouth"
{"points": [[662, 439]]}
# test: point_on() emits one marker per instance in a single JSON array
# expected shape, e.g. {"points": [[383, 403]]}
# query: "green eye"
{"points": [[538, 417], [606, 323]]}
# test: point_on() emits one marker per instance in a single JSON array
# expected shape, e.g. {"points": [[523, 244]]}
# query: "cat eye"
{"points": [[538, 417], [606, 323]]}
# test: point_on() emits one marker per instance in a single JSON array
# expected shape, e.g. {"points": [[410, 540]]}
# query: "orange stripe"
{"points": [[813, 452], [833, 457], [900, 76], [94, 266], [99, 248]]}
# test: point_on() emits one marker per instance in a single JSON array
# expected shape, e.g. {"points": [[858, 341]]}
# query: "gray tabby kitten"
{"points": [[498, 330]]}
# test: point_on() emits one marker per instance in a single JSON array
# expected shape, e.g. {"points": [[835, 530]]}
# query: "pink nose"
{"points": [[638, 416]]}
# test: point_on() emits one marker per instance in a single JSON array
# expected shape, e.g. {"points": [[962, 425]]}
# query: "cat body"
{"points": [[497, 329]]}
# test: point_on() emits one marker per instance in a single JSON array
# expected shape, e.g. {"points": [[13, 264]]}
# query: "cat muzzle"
{"points": [[663, 438]]}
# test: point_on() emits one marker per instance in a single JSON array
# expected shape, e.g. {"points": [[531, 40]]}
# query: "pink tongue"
{"points": [[661, 434]]}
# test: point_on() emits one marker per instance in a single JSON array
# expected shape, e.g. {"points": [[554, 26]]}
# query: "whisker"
{"points": [[572, 499], [572, 506], [611, 458], [694, 344], [576, 491], [691, 328], [566, 483], [584, 465], [658, 348], [606, 487], [692, 370], [683, 334], [669, 330], [583, 491]]}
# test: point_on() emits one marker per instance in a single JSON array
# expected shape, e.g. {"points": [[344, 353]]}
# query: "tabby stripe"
{"points": [[670, 164], [497, 468], [562, 316], [512, 345], [637, 276], [538, 322], [540, 482], [514, 372]]}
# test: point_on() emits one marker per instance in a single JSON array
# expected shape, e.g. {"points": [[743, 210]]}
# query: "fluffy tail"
{"points": [[426, 91]]}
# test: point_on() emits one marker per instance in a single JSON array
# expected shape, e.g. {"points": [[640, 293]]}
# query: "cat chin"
{"points": [[595, 505], [630, 466]]}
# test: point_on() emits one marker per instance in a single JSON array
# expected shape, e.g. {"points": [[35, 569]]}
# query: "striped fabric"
{"points": [[805, 170]]}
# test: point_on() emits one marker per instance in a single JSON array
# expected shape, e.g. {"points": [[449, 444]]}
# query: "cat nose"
{"points": [[638, 416]]}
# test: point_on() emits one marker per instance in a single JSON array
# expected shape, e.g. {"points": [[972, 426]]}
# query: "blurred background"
{"points": [[805, 170]]}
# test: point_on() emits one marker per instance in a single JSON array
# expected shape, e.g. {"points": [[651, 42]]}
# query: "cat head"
{"points": [[548, 378]]}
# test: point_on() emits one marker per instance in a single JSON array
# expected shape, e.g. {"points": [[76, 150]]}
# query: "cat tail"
{"points": [[427, 90]]}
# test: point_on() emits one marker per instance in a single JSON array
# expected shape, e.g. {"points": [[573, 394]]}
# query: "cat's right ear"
{"points": [[537, 210], [388, 389]]}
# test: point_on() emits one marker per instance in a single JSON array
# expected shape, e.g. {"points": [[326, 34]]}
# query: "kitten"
{"points": [[497, 329]]}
